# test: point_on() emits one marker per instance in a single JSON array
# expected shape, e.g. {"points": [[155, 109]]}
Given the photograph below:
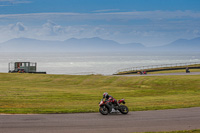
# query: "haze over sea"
{"points": [[95, 63]]}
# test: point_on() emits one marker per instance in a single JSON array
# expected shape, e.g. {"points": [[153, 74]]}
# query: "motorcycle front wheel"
{"points": [[103, 110], [123, 109]]}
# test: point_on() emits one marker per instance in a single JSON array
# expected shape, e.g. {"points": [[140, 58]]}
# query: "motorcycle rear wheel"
{"points": [[103, 110], [123, 109]]}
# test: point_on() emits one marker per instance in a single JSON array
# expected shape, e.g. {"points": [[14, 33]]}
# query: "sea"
{"points": [[95, 63]]}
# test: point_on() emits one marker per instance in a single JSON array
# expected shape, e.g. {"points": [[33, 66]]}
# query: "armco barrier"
{"points": [[153, 68]]}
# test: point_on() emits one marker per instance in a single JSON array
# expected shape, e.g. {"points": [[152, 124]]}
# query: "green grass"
{"points": [[188, 131], [35, 93]]}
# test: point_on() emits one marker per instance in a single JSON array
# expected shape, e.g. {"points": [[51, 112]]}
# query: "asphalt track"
{"points": [[161, 74], [139, 121]]}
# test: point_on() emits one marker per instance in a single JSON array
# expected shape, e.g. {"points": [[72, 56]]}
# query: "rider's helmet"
{"points": [[105, 94]]}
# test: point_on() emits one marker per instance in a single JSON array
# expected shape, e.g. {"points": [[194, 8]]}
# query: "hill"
{"points": [[182, 45], [94, 44], [70, 45]]}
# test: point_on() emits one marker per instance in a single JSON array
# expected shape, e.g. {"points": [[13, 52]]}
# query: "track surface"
{"points": [[140, 121], [161, 74]]}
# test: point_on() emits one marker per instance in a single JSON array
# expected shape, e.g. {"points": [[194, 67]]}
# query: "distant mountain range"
{"points": [[182, 45], [92, 45]]}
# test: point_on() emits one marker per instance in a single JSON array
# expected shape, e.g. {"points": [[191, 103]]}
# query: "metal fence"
{"points": [[156, 66]]}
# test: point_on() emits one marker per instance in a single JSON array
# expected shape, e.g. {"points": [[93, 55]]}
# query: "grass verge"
{"points": [[187, 131], [35, 93]]}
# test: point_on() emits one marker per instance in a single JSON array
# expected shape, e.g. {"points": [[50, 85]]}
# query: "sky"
{"points": [[150, 22]]}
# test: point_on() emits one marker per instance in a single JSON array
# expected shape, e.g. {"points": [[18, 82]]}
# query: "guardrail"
{"points": [[139, 68]]}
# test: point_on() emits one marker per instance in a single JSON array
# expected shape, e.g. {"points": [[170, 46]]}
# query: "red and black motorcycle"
{"points": [[107, 106]]}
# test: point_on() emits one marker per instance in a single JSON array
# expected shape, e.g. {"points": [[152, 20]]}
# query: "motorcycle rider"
{"points": [[109, 97]]}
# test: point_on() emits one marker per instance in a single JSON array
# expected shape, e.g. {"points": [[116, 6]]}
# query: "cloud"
{"points": [[18, 27], [16, 1], [49, 31], [148, 27], [13, 31], [51, 28], [135, 15], [3, 5], [196, 32], [13, 2], [106, 10], [6, 0], [123, 34]]}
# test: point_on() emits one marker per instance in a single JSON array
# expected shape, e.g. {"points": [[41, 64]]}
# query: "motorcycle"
{"points": [[107, 106]]}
